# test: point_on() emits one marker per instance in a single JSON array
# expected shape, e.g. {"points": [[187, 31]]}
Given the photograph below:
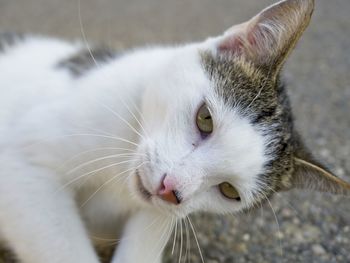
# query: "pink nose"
{"points": [[167, 191]]}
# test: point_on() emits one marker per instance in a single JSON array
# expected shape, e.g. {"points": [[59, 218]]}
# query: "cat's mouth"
{"points": [[144, 192], [171, 197]]}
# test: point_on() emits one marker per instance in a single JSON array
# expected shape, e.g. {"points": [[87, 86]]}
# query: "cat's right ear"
{"points": [[267, 39], [310, 175]]}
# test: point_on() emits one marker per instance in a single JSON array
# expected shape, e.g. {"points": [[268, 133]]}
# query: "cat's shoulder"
{"points": [[87, 58], [12, 40], [8, 39], [75, 56]]}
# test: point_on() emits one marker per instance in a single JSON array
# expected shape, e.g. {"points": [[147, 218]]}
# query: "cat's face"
{"points": [[217, 125], [195, 140]]}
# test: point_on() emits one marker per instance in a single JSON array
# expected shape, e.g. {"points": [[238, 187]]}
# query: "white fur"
{"points": [[48, 120]]}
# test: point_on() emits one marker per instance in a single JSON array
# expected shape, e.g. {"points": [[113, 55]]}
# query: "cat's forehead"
{"points": [[179, 79], [242, 85]]}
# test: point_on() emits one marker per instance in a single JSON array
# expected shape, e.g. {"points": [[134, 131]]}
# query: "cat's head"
{"points": [[218, 130]]}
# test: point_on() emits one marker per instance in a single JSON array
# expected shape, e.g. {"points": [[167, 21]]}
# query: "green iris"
{"points": [[229, 191], [204, 120]]}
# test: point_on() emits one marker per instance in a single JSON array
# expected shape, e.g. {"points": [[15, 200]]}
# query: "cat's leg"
{"points": [[144, 238], [39, 223]]}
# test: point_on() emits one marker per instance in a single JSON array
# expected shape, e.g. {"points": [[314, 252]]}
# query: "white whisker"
{"points": [[134, 116], [92, 172], [170, 227], [278, 225], [84, 35], [108, 181], [283, 198], [80, 134], [195, 237], [123, 120], [188, 242], [162, 229], [91, 151], [144, 231], [103, 136], [174, 240], [101, 159], [181, 241]]}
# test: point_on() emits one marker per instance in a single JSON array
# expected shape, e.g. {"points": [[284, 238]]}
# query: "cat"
{"points": [[148, 136]]}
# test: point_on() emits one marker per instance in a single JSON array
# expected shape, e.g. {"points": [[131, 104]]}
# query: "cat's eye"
{"points": [[204, 120], [229, 191]]}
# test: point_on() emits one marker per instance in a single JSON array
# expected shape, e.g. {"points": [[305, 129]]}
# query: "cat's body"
{"points": [[87, 140], [52, 116]]}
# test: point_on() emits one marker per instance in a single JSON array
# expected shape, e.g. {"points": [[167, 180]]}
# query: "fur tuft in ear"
{"points": [[308, 175], [270, 36]]}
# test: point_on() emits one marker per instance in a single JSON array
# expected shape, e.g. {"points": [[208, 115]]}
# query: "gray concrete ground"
{"points": [[311, 227]]}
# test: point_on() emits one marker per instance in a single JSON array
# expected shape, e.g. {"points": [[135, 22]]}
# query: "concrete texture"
{"points": [[311, 227]]}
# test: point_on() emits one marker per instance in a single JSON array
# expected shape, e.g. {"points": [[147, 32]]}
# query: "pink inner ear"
{"points": [[252, 41], [240, 42], [232, 44]]}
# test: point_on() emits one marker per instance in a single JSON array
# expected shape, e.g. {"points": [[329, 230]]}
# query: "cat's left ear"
{"points": [[310, 175], [267, 39]]}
